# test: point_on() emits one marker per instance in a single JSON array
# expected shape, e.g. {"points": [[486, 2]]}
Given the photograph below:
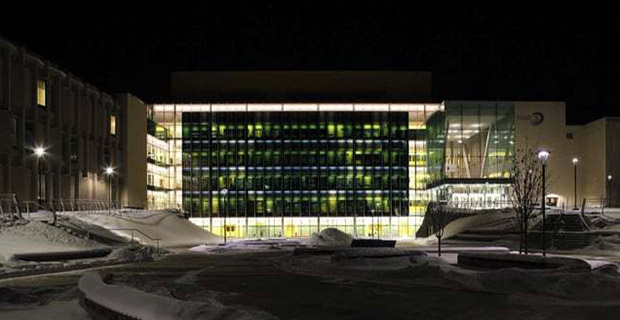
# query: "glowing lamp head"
{"points": [[109, 170], [543, 155], [609, 177], [575, 161], [39, 152]]}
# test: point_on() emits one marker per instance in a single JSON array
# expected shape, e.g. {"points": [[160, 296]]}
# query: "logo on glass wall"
{"points": [[536, 118]]}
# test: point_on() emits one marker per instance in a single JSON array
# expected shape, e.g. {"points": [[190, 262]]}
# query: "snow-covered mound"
{"points": [[35, 237], [331, 237], [248, 245], [171, 229], [499, 220], [600, 283], [141, 305]]}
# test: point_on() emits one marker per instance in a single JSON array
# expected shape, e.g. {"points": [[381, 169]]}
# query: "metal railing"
{"points": [[88, 232], [479, 204], [9, 207], [593, 203], [95, 206]]}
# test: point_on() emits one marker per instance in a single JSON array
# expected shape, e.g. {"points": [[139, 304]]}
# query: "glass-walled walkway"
{"points": [[302, 227]]}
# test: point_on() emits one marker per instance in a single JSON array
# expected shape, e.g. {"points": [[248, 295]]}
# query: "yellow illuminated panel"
{"points": [[113, 125], [41, 88]]}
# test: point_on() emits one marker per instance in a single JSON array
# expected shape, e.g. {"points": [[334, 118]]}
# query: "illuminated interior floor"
{"points": [[302, 227]]}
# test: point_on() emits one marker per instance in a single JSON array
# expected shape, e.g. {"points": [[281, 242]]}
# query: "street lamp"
{"points": [[575, 161], [609, 177], [543, 155], [40, 153], [372, 223], [225, 193], [109, 171]]}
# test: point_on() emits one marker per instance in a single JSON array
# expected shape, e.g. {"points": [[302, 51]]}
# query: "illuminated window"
{"points": [[41, 86], [113, 125]]}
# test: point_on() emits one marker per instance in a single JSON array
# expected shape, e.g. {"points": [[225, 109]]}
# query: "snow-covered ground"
{"points": [[331, 237], [62, 310], [125, 300], [600, 284], [191, 285], [240, 246], [169, 228], [38, 237]]}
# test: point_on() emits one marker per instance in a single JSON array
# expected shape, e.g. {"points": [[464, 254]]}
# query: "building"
{"points": [[294, 161], [82, 129]]}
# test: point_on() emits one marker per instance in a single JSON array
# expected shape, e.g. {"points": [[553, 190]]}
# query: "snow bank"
{"points": [[587, 285], [496, 220], [132, 253], [141, 305], [501, 219], [331, 237], [171, 229], [247, 245], [35, 237], [67, 310]]}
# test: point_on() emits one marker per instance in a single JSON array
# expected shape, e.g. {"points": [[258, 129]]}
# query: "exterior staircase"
{"points": [[562, 231]]}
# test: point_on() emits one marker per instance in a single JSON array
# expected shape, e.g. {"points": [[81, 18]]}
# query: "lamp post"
{"points": [[543, 155], [575, 161], [609, 177], [40, 153], [225, 193], [109, 171]]}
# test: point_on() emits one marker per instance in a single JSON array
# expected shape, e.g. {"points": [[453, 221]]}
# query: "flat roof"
{"points": [[302, 86]]}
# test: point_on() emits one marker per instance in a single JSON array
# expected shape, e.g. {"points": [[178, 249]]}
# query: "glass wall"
{"points": [[418, 158], [159, 171], [163, 158], [471, 141], [297, 164], [470, 152], [435, 143]]}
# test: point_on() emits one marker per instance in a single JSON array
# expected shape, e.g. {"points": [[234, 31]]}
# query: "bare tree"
{"points": [[438, 217], [527, 180]]}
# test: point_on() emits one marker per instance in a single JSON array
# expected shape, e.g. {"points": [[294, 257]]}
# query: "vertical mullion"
{"points": [[317, 145], [245, 171], [210, 165], [354, 158], [283, 158], [263, 171], [390, 164]]}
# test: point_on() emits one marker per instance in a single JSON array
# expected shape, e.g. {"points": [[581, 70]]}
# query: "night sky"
{"points": [[475, 51]]}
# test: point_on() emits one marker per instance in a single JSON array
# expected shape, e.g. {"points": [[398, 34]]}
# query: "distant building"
{"points": [[82, 129]]}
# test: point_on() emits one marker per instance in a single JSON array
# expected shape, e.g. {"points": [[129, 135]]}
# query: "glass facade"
{"points": [[265, 164], [262, 170], [471, 143], [163, 160]]}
